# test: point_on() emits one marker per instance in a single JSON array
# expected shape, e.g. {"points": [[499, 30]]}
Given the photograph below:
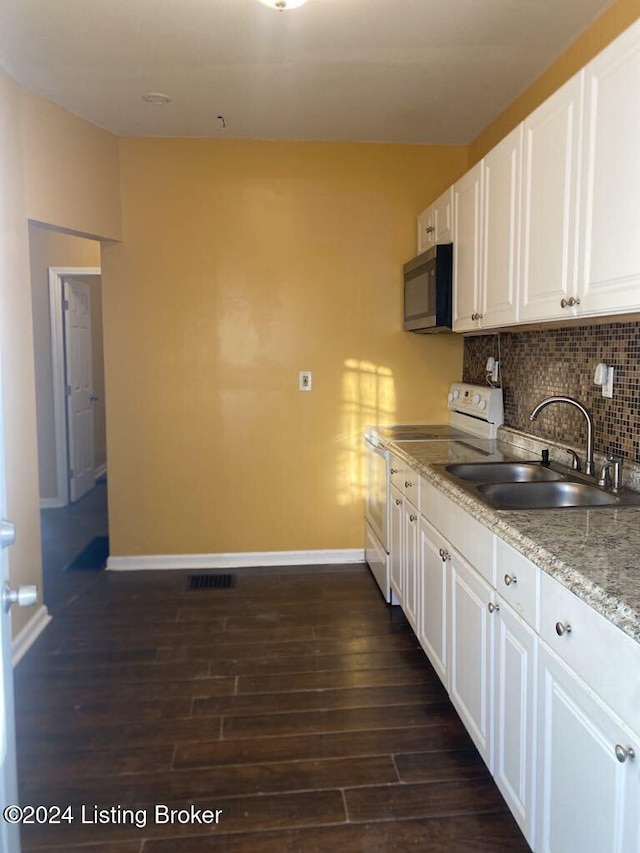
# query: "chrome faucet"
{"points": [[589, 465]]}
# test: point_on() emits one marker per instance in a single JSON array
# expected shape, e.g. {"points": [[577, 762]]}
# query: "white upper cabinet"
{"points": [[549, 210], [501, 232], [609, 256], [435, 223], [467, 197], [486, 239]]}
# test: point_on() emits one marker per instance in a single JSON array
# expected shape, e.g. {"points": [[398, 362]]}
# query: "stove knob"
{"points": [[456, 394], [450, 397], [482, 404], [476, 398]]}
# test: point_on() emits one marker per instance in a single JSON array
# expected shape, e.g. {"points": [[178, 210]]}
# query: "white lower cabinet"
{"points": [[545, 686], [471, 664], [516, 655], [396, 546], [433, 602], [588, 783]]}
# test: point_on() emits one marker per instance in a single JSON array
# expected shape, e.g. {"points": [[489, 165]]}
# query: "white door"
{"points": [[471, 664], [551, 166], [433, 564], [516, 654], [501, 231], [9, 834], [410, 564], [79, 379], [467, 195], [588, 780], [609, 263], [443, 217], [396, 546]]}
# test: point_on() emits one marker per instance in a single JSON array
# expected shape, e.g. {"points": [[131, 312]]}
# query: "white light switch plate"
{"points": [[304, 380]]}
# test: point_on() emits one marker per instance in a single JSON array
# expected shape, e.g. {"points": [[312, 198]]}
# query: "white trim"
{"points": [[56, 275], [101, 471], [27, 636], [241, 560], [51, 503]]}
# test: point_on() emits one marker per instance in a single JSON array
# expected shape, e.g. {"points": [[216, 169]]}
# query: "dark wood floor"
{"points": [[297, 703]]}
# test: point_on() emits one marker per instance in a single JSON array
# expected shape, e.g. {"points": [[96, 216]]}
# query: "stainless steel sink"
{"points": [[502, 472], [548, 495], [529, 485]]}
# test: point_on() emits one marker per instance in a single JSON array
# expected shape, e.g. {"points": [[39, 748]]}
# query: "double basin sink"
{"points": [[530, 485]]}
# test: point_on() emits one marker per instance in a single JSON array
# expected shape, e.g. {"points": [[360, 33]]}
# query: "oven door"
{"points": [[377, 491]]}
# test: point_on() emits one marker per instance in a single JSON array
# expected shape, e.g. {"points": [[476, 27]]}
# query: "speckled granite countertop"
{"points": [[595, 553]]}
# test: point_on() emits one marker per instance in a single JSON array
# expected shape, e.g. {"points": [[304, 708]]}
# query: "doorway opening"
{"points": [[66, 285]]}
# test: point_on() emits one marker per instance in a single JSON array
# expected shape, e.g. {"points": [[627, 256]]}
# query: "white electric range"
{"points": [[475, 412]]}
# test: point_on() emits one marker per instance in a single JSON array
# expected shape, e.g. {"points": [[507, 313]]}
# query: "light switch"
{"points": [[304, 380]]}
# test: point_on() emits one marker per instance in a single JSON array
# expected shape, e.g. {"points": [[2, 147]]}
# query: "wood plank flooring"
{"points": [[297, 704]]}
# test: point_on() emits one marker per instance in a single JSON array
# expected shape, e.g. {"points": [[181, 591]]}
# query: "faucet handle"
{"points": [[575, 459], [613, 464]]}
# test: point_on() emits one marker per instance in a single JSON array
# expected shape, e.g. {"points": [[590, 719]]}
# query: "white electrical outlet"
{"points": [[304, 380]]}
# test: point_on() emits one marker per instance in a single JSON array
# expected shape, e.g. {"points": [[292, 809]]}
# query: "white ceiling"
{"points": [[417, 71]]}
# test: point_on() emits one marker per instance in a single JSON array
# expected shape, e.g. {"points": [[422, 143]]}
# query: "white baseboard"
{"points": [[247, 559], [101, 471], [51, 503], [27, 636]]}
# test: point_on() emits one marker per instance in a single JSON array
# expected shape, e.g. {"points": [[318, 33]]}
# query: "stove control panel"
{"points": [[478, 401]]}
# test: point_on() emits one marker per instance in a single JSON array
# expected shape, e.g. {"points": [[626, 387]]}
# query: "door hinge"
{"points": [[71, 473]]}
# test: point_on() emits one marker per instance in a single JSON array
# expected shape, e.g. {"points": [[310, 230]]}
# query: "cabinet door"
{"points": [[609, 263], [549, 212], [501, 231], [410, 569], [396, 546], [426, 230], [516, 647], [466, 250], [471, 643], [433, 560], [587, 798], [443, 217]]}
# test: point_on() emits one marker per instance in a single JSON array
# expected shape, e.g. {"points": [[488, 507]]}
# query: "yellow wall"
{"points": [[605, 28], [56, 168], [49, 248], [242, 263], [70, 170]]}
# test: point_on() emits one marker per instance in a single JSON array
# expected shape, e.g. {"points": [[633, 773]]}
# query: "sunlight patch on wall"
{"points": [[368, 397]]}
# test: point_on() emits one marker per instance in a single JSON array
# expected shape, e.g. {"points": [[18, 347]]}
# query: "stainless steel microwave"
{"points": [[428, 290]]}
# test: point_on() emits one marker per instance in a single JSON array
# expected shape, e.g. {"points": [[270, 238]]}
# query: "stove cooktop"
{"points": [[419, 432]]}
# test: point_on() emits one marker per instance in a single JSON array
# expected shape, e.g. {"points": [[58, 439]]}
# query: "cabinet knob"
{"points": [[491, 607], [509, 579], [398, 502], [395, 470], [573, 301], [623, 753], [412, 517], [561, 629], [430, 229], [564, 303], [407, 484], [444, 555]]}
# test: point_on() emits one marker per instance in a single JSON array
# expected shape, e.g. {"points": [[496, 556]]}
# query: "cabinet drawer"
{"points": [[518, 582], [411, 486], [397, 473], [602, 655], [471, 538]]}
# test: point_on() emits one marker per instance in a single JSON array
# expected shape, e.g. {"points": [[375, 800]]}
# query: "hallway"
{"points": [[65, 533]]}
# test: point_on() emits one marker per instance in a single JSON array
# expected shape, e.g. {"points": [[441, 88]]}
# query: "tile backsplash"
{"points": [[537, 364]]}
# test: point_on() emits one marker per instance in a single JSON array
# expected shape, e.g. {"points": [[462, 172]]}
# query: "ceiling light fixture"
{"points": [[156, 98], [283, 5]]}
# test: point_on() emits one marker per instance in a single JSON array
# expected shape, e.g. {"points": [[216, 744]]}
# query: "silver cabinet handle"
{"points": [[561, 629], [398, 502], [395, 470], [573, 301], [412, 517], [491, 607], [563, 303], [623, 753], [407, 484], [444, 555], [509, 579], [441, 552], [476, 316]]}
